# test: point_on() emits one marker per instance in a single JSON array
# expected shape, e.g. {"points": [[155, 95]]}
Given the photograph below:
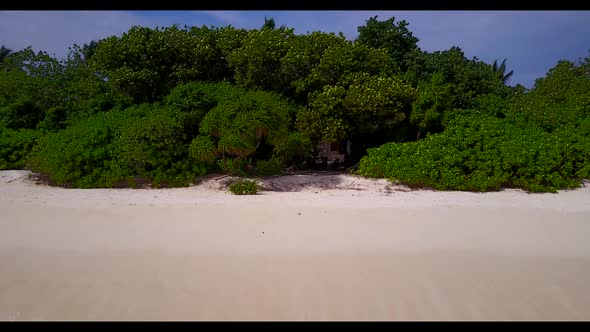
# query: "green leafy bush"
{"points": [[361, 103], [194, 100], [429, 108], [274, 166], [244, 187], [478, 153], [23, 113], [561, 98], [83, 155], [153, 142], [295, 149], [15, 147], [106, 149], [234, 166]]}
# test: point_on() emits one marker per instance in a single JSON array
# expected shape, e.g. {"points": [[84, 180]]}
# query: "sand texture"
{"points": [[312, 247]]}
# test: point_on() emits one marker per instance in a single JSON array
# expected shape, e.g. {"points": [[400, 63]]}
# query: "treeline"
{"points": [[167, 105]]}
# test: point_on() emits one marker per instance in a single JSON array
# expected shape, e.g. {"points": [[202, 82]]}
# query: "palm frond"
{"points": [[4, 53]]}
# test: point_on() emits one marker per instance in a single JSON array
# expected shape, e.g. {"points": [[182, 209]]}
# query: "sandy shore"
{"points": [[343, 249]]}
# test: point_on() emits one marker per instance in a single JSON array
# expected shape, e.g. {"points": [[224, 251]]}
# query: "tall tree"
{"points": [[358, 106], [257, 61], [395, 38], [470, 78]]}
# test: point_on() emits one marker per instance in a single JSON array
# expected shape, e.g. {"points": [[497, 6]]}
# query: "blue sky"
{"points": [[532, 41]]}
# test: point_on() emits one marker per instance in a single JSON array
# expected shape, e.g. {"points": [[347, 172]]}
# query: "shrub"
{"points": [[83, 155], [108, 148], [244, 187], [561, 98], [274, 166], [432, 102], [55, 119], [194, 100], [154, 142], [296, 148], [15, 147], [234, 166], [478, 153], [23, 113], [202, 148]]}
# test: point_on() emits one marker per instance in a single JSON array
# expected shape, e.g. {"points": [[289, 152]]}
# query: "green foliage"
{"points": [[202, 149], [538, 141], [235, 166], [274, 166], [152, 143], [479, 153], [241, 123], [560, 98], [244, 187], [4, 53], [147, 63], [395, 38], [433, 101], [296, 148], [15, 147], [24, 114], [492, 105], [29, 84], [469, 78], [257, 61], [55, 119], [164, 105], [268, 24], [343, 60], [107, 148], [195, 99], [361, 104], [305, 53], [500, 71], [36, 89], [82, 155]]}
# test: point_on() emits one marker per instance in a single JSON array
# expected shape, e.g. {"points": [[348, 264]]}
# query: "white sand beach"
{"points": [[331, 247]]}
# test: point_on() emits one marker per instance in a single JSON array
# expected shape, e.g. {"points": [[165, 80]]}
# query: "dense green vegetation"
{"points": [[164, 106], [538, 141]]}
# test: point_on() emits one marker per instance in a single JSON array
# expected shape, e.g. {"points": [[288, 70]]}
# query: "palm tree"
{"points": [[4, 53], [269, 23], [500, 71], [239, 126]]}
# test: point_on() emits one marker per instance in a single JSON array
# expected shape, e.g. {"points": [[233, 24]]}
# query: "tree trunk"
{"points": [[418, 136]]}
